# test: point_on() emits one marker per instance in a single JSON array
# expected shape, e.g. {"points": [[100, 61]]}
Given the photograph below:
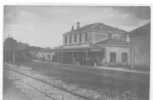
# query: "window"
{"points": [[48, 57], [112, 57], [124, 57], [86, 36], [70, 39], [75, 37], [65, 39], [80, 38]]}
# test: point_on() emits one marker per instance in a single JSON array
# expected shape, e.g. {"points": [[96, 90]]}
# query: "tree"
{"points": [[10, 46]]}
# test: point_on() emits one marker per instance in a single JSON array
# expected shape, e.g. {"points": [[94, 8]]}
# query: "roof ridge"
{"points": [[98, 27]]}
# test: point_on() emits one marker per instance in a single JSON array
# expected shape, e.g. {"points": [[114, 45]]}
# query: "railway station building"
{"points": [[94, 44]]}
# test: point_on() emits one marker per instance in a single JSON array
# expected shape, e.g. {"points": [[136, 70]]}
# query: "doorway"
{"points": [[112, 57]]}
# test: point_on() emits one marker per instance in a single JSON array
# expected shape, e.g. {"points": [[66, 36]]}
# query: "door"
{"points": [[124, 58], [112, 57]]}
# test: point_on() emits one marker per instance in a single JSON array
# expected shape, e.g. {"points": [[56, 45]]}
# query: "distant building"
{"points": [[95, 44], [45, 54]]}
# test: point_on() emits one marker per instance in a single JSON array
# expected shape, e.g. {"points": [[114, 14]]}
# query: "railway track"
{"points": [[53, 85], [73, 92]]}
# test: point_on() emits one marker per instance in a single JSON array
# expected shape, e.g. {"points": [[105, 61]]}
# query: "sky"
{"points": [[44, 25]]}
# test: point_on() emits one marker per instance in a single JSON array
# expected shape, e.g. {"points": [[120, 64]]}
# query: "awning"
{"points": [[90, 48]]}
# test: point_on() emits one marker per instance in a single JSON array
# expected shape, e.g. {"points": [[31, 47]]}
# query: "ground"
{"points": [[107, 81]]}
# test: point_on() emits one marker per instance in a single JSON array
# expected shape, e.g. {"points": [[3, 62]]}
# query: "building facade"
{"points": [[44, 55], [140, 42], [95, 44]]}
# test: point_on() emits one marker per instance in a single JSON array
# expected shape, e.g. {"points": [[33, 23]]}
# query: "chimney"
{"points": [[78, 25]]}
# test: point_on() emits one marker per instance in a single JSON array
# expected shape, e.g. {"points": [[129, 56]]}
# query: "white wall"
{"points": [[118, 51]]}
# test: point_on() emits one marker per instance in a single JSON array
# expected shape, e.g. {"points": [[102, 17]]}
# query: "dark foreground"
{"points": [[111, 82]]}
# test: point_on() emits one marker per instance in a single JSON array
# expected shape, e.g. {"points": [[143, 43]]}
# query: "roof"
{"points": [[73, 47], [97, 27], [143, 31], [110, 42], [140, 37], [79, 48]]}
